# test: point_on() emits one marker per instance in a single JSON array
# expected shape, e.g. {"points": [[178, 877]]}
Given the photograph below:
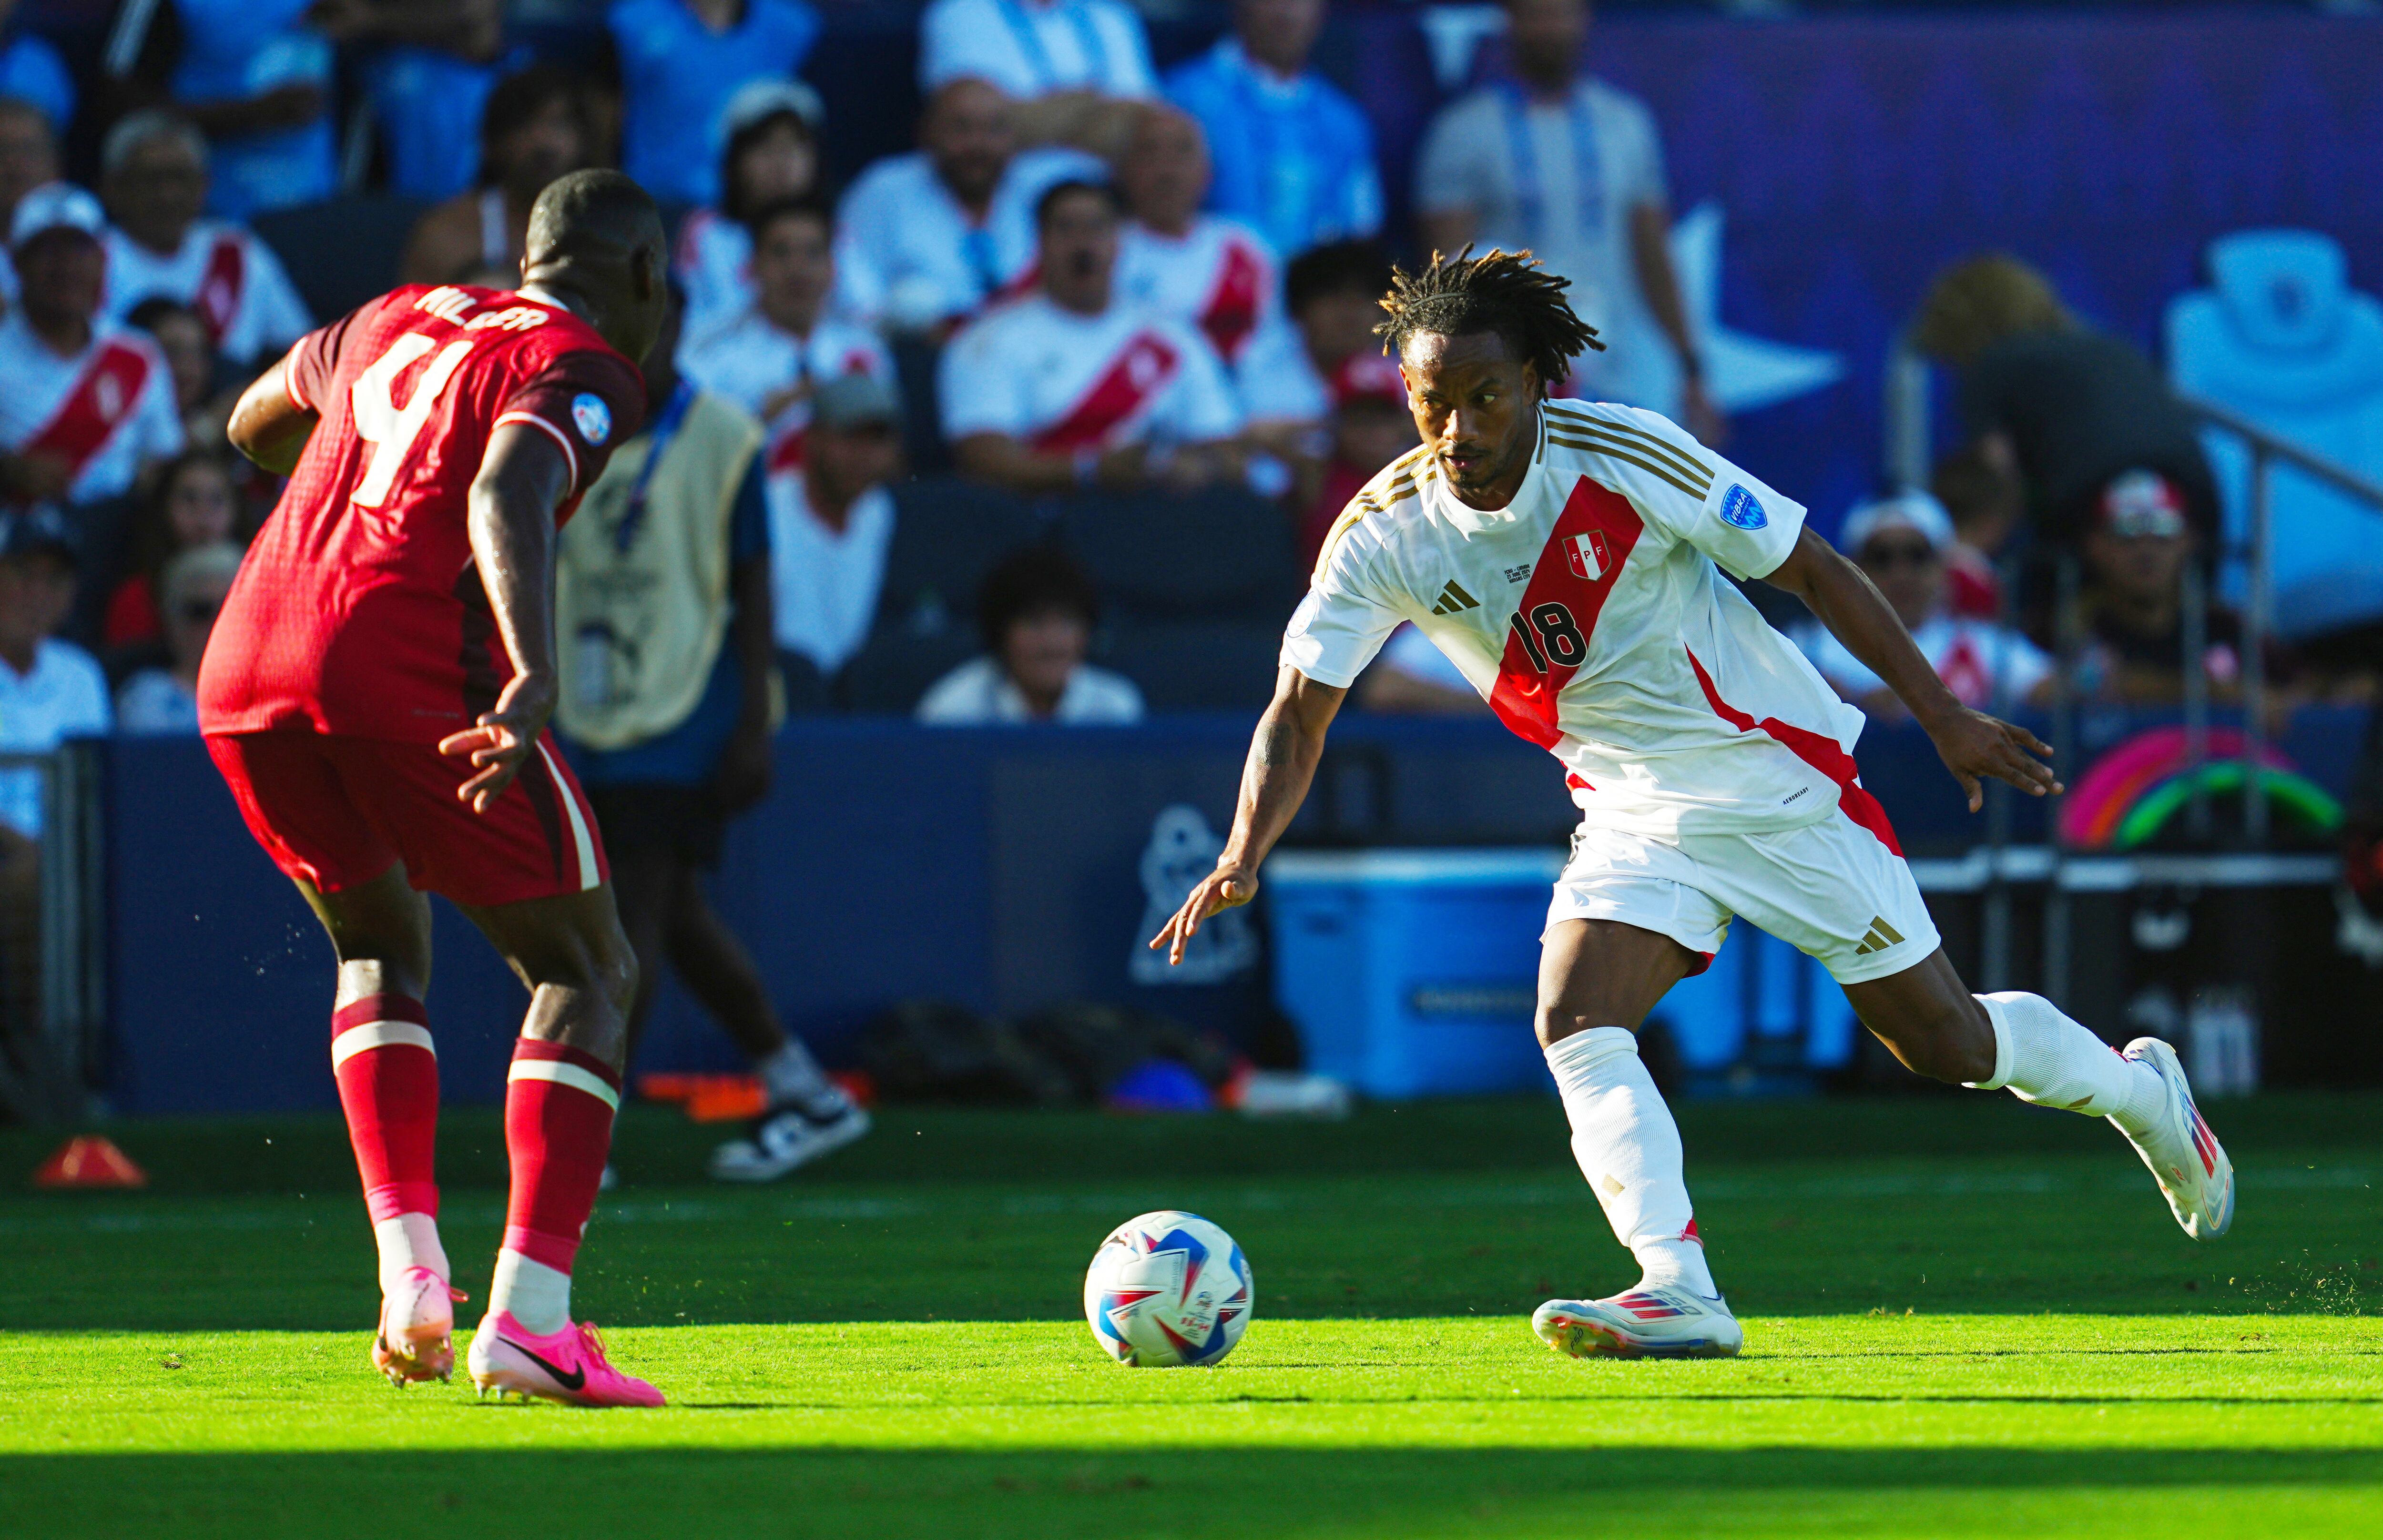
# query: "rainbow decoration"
{"points": [[2132, 792]]}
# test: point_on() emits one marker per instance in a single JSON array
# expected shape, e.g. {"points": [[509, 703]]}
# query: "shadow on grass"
{"points": [[833, 1492]]}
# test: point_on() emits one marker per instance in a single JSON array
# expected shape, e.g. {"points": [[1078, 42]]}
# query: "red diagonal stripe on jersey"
{"points": [[1231, 311], [1817, 749], [217, 301], [105, 395], [1138, 373], [1525, 699]]}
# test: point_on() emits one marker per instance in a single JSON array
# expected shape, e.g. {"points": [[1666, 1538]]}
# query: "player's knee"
{"points": [[1938, 1044], [1555, 1023]]}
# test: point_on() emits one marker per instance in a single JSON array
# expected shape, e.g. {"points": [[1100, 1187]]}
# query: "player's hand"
{"points": [[1224, 888], [1975, 746], [502, 739]]}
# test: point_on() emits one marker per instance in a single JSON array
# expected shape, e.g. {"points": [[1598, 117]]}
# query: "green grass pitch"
{"points": [[1964, 1317]]}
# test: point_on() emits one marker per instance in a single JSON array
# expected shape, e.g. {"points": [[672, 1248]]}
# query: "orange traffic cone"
{"points": [[89, 1161]]}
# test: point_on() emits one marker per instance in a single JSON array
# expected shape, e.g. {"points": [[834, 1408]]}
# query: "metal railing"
{"points": [[52, 1025]]}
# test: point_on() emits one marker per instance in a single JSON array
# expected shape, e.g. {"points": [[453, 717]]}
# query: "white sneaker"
{"points": [[2184, 1156], [1670, 1322], [786, 1136]]}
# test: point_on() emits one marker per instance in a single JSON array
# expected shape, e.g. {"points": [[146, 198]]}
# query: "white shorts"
{"points": [[1832, 890]]}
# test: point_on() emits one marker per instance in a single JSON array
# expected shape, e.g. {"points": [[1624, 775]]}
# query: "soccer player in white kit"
{"points": [[1563, 555]]}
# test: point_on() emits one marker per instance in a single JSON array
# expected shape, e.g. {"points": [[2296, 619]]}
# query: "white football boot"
{"points": [[417, 1339], [2184, 1156], [788, 1135], [1671, 1321]]}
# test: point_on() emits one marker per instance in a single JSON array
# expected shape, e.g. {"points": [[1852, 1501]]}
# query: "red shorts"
{"points": [[338, 811]]}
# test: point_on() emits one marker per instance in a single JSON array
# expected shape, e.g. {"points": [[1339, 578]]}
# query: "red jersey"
{"points": [[359, 609]]}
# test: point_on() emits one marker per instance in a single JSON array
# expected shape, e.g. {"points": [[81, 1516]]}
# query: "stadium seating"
{"points": [[342, 252], [1220, 553], [947, 535], [1196, 665]]}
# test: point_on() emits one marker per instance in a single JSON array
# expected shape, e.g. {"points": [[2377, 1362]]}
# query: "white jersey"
{"points": [[753, 362], [824, 583], [1977, 660], [1032, 48], [105, 413], [1064, 382], [714, 263], [1589, 614], [907, 252], [1221, 278], [222, 271]]}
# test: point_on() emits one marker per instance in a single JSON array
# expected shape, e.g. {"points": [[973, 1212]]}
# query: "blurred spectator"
{"points": [[771, 356], [536, 127], [1334, 294], [929, 238], [2061, 408], [29, 158], [1371, 427], [1036, 611], [256, 82], [193, 504], [772, 155], [830, 523], [1899, 543], [1070, 65], [87, 404], [1293, 156], [680, 62], [1988, 510], [1212, 273], [1413, 677], [153, 177], [50, 690], [206, 409], [34, 72], [1066, 390], [1572, 168], [165, 701], [427, 82], [2138, 551]]}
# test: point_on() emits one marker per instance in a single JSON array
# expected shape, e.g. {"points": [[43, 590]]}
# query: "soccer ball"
{"points": [[1167, 1289]]}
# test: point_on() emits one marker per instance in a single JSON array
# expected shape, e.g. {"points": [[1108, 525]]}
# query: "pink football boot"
{"points": [[416, 1340], [568, 1367]]}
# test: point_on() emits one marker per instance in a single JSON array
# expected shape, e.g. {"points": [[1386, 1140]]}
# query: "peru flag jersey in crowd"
{"points": [[908, 255], [359, 609], [104, 412], [1589, 615], [770, 373], [222, 271], [1221, 278], [1065, 382]]}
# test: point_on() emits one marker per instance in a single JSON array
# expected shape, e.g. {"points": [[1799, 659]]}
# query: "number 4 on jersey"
{"points": [[387, 427]]}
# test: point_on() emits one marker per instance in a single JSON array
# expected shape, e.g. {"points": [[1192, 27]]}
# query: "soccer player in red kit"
{"points": [[377, 694]]}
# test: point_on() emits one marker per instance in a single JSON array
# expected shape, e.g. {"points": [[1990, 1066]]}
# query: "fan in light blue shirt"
{"points": [[681, 60], [1292, 155], [33, 70], [237, 52]]}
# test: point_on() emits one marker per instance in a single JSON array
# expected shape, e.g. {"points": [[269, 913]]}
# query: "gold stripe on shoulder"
{"points": [[1638, 438], [1350, 518], [1651, 467]]}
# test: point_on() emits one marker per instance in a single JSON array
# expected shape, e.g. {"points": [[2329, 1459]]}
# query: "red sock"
{"points": [[388, 1072], [559, 1106]]}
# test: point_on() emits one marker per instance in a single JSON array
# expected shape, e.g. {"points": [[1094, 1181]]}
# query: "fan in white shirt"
{"points": [[927, 239], [87, 404], [50, 690], [831, 522], [1037, 611], [772, 356], [153, 177], [1070, 63], [1065, 389], [1568, 558], [771, 130], [1900, 543], [1213, 273]]}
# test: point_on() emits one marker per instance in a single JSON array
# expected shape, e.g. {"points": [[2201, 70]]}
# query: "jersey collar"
{"points": [[1474, 520]]}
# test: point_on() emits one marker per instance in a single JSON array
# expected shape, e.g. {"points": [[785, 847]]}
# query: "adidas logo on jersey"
{"points": [[1453, 601], [1881, 936]]}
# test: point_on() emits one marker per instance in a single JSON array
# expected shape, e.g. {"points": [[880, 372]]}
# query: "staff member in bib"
{"points": [[662, 603], [1556, 162]]}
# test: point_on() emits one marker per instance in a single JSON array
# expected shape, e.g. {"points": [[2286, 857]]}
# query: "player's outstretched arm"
{"points": [[268, 425], [511, 516], [1973, 745], [1283, 755]]}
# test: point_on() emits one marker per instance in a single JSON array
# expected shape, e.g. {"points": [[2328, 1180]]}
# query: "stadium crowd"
{"points": [[1111, 329]]}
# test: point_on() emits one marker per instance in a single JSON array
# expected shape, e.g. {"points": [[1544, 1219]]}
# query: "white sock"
{"points": [[790, 1074], [2042, 1056], [539, 1297], [1629, 1149], [408, 1240]]}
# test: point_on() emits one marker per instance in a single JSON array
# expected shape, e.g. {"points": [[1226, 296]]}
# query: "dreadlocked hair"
{"points": [[1506, 292]]}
